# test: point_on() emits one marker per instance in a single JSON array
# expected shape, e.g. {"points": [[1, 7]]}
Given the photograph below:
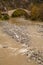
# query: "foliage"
{"points": [[5, 16], [37, 12], [0, 15], [12, 4], [41, 12], [34, 13], [19, 13]]}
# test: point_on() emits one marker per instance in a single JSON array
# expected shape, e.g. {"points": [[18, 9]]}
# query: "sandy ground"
{"points": [[10, 55]]}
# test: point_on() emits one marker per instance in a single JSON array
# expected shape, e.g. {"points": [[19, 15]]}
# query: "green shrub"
{"points": [[5, 16], [19, 13]]}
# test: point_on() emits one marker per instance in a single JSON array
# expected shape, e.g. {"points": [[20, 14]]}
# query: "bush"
{"points": [[34, 13], [41, 12], [5, 16], [37, 12], [19, 13], [0, 16]]}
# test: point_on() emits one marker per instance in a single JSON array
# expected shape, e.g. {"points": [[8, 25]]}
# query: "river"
{"points": [[17, 37]]}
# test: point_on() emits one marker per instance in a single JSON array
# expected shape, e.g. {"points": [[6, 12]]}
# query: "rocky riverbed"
{"points": [[24, 42]]}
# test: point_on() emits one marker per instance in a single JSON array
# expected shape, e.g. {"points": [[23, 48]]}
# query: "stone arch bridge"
{"points": [[11, 11]]}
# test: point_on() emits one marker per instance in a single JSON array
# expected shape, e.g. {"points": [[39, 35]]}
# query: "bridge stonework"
{"points": [[11, 11]]}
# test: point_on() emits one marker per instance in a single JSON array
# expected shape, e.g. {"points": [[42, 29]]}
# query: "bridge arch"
{"points": [[19, 9]]}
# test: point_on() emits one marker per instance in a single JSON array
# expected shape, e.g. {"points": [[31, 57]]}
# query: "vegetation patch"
{"points": [[0, 16], [19, 13], [5, 16], [37, 12]]}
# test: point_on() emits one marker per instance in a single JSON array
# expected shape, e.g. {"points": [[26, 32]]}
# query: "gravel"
{"points": [[35, 55], [18, 33]]}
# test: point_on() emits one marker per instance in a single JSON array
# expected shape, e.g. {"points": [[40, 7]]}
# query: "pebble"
{"points": [[18, 33], [37, 56]]}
